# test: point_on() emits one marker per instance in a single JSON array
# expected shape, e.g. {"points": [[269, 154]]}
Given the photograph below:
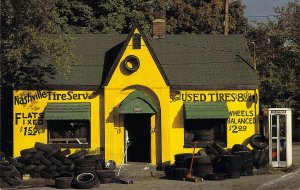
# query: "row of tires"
{"points": [[85, 180]]}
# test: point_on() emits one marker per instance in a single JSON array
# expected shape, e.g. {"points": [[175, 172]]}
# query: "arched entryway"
{"points": [[138, 109]]}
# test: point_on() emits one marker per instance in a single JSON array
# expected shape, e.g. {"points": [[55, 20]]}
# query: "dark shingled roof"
{"points": [[189, 61]]}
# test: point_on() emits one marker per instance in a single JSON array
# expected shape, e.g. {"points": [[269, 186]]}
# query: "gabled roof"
{"points": [[187, 61]]}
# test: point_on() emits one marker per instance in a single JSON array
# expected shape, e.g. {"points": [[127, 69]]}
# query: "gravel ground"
{"points": [[273, 180]]}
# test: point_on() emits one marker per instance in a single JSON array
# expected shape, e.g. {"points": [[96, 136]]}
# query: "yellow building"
{"points": [[160, 93]]}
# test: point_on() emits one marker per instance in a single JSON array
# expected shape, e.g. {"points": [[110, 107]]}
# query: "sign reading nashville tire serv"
{"points": [[241, 105], [29, 110]]}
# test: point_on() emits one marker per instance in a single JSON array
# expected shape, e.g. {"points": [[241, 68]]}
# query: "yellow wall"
{"points": [[29, 124], [242, 123], [149, 80]]}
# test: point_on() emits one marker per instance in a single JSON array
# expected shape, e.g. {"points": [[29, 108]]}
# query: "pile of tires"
{"points": [[259, 144], [232, 165], [204, 136], [246, 159], [202, 166], [46, 161], [9, 175], [179, 169]]}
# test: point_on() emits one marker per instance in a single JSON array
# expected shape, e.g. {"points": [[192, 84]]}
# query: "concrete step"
{"points": [[137, 170]]}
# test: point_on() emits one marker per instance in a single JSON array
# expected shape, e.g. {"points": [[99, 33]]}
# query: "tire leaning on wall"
{"points": [[86, 181]]}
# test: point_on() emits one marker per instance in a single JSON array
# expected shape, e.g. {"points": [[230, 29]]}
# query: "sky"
{"points": [[256, 10]]}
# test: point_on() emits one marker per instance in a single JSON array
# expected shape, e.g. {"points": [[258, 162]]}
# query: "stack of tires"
{"points": [[201, 166], [232, 165], [9, 175], [224, 164], [179, 170], [204, 136], [246, 159], [259, 144], [215, 153]]}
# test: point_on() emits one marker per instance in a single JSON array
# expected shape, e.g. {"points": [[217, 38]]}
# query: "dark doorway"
{"points": [[138, 127]]}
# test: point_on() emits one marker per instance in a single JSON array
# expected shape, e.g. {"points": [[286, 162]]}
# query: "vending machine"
{"points": [[280, 137]]}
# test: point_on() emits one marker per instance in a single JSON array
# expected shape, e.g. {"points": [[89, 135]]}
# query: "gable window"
{"points": [[136, 41], [69, 124], [205, 122]]}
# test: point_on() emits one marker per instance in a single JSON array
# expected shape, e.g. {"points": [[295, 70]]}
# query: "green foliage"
{"points": [[278, 58], [183, 16], [27, 33]]}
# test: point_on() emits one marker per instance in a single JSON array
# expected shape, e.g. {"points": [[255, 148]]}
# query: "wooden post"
{"points": [[226, 17]]}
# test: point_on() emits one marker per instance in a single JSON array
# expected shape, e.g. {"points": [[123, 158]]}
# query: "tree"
{"points": [[206, 16], [278, 57], [183, 16], [32, 29]]}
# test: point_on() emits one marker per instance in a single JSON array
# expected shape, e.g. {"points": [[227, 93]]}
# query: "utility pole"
{"points": [[226, 17], [254, 55]]}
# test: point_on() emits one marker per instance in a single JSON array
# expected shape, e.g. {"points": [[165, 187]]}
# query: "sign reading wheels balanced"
{"points": [[161, 93]]}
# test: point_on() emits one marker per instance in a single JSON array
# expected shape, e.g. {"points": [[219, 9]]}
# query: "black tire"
{"points": [[33, 161], [63, 153], [39, 168], [239, 147], [45, 161], [52, 167], [52, 152], [182, 157], [258, 141], [106, 180], [38, 154], [63, 182], [43, 147], [220, 150], [28, 151], [179, 173], [15, 162], [21, 171], [56, 161], [180, 164], [34, 174], [261, 159], [14, 181], [105, 173], [86, 162], [3, 183], [80, 170], [98, 165], [203, 170], [78, 155], [65, 160], [85, 181], [211, 151], [65, 174], [11, 173], [2, 155], [4, 166], [54, 173], [45, 175], [29, 167], [25, 157], [202, 160]]}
